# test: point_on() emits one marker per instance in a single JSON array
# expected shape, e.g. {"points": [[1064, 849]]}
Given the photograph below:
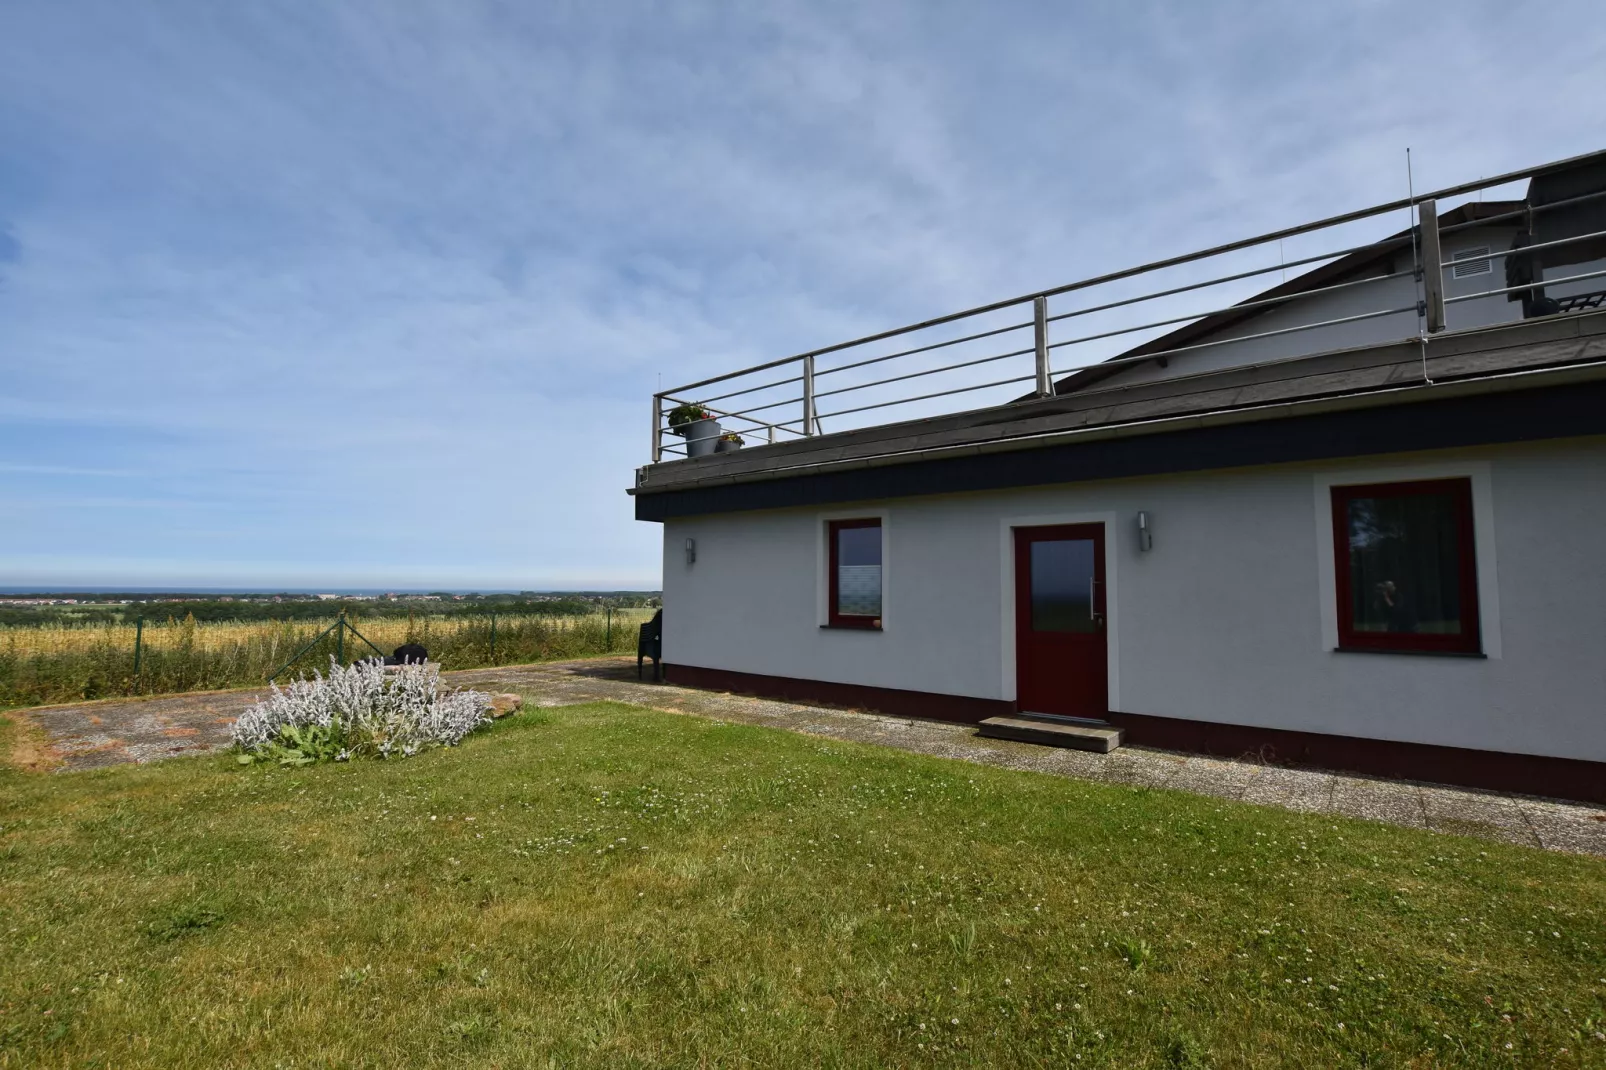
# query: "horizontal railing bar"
{"points": [[927, 397], [1175, 261], [1524, 249], [726, 415], [732, 375], [921, 349], [1385, 245], [753, 389], [1382, 246], [1539, 284], [770, 405], [1245, 306], [1119, 361], [893, 379], [743, 430], [1265, 302], [1520, 212], [916, 375]]}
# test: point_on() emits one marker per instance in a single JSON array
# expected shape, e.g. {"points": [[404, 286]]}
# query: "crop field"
{"points": [[68, 662]]}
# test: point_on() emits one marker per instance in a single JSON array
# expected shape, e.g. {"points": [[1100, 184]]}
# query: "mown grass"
{"points": [[66, 663], [608, 886]]}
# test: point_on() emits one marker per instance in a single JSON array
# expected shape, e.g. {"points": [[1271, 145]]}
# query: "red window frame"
{"points": [[1470, 641], [850, 620]]}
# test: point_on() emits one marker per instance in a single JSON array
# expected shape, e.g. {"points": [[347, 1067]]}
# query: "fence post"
{"points": [[340, 639], [493, 637], [607, 642], [808, 394], [1040, 326], [139, 644], [1427, 214]]}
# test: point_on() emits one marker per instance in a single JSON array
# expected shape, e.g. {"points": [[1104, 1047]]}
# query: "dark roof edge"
{"points": [[1405, 394], [1550, 410]]}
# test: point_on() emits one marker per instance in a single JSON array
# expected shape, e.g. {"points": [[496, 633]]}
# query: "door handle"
{"points": [[1092, 602]]}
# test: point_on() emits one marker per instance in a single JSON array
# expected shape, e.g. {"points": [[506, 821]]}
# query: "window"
{"points": [[1471, 267], [1407, 573], [855, 596], [1063, 577]]}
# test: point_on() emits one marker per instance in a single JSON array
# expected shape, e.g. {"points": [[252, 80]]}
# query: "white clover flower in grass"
{"points": [[362, 709]]}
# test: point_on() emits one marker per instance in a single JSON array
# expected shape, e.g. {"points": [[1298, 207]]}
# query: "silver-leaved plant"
{"points": [[364, 709]]}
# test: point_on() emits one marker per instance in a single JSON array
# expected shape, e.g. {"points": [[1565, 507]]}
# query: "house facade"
{"points": [[1380, 553]]}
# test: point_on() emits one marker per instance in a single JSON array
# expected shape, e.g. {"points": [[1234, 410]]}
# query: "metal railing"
{"points": [[1402, 289]]}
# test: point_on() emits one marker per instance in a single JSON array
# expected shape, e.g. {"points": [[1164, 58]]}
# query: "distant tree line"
{"points": [[300, 608]]}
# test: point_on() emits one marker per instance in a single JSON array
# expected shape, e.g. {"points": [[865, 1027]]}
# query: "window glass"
{"points": [[858, 568], [1062, 586], [1406, 566]]}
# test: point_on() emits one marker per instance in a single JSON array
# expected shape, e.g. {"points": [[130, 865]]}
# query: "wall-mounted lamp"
{"points": [[691, 551], [1145, 532]]}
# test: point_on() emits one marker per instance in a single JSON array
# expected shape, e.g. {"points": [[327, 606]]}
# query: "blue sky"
{"points": [[376, 294]]}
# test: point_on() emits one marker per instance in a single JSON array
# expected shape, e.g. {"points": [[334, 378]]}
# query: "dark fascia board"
{"points": [[1341, 270], [1480, 414]]}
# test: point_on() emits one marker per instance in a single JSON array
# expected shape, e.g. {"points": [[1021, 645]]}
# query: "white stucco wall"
{"points": [[1229, 618]]}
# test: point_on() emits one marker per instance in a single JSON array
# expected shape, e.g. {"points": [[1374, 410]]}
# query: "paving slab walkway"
{"points": [[87, 735]]}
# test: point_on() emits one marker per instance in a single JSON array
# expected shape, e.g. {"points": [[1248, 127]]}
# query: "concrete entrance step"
{"points": [[1050, 730]]}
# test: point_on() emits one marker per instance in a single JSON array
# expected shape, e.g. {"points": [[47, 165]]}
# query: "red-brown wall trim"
{"points": [[1565, 778], [891, 700]]}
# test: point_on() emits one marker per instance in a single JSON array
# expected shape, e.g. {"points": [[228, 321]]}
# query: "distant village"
{"points": [[38, 607]]}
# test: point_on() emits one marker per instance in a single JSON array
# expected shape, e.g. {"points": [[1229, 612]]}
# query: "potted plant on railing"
{"points": [[697, 426], [729, 442]]}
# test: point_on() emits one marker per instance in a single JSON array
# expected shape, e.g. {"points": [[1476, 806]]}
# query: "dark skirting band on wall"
{"points": [[1529, 774]]}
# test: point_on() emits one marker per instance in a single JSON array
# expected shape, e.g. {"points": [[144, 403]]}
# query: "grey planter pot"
{"points": [[726, 447], [702, 437]]}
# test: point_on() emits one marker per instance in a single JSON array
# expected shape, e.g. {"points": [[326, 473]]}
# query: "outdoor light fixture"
{"points": [[1145, 532], [691, 551]]}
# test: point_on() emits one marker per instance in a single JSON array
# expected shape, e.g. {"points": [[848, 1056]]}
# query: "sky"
{"points": [[377, 293]]}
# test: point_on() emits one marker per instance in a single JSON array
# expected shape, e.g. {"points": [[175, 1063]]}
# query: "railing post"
{"points": [[808, 394], [1040, 328], [657, 428], [1427, 214], [772, 434]]}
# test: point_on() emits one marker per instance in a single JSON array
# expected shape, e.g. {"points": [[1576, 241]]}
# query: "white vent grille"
{"points": [[1474, 267]]}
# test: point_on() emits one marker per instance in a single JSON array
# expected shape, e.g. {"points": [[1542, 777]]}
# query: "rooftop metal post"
{"points": [[1040, 329], [657, 428], [808, 394], [1427, 214]]}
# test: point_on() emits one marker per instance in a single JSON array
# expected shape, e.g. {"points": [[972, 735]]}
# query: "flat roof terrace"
{"points": [[1527, 381], [1001, 377]]}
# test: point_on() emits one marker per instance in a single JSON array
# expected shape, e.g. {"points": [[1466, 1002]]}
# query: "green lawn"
{"points": [[607, 886]]}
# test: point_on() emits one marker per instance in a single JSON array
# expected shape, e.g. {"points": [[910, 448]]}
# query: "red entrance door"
{"points": [[1060, 661]]}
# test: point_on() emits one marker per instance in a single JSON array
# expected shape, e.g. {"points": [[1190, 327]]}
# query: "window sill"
{"points": [[1474, 654], [851, 627]]}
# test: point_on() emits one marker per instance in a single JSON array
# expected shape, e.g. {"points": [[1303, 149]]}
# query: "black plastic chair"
{"points": [[650, 644]]}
